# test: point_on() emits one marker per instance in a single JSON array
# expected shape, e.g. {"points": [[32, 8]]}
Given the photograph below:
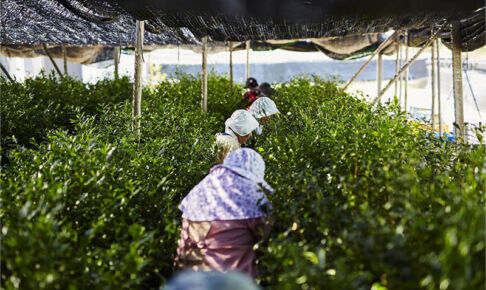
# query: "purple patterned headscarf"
{"points": [[231, 191]]}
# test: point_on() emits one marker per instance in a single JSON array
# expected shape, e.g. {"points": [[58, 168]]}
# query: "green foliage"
{"points": [[44, 103], [363, 199]]}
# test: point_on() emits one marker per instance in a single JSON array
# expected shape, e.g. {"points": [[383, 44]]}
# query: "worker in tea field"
{"points": [[237, 132], [263, 109], [225, 215], [266, 90], [253, 91]]}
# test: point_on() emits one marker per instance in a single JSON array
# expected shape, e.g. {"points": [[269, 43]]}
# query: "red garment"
{"points": [[250, 96], [226, 246]]}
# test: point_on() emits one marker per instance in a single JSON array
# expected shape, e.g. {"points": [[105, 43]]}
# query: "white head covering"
{"points": [[241, 122], [263, 107]]}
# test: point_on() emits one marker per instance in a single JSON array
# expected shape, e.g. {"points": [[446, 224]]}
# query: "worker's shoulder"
{"points": [[226, 139]]}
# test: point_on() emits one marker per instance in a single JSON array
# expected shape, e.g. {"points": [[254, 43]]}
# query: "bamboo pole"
{"points": [[64, 56], [116, 58], [432, 70], [5, 71], [390, 83], [137, 83], [405, 97], [247, 70], [378, 50], [231, 65], [457, 79], [439, 104], [204, 79], [379, 71], [52, 60]]}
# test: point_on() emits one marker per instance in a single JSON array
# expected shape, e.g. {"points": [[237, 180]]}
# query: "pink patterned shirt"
{"points": [[223, 245]]}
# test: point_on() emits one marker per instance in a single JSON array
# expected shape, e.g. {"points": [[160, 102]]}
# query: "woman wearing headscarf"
{"points": [[253, 91], [225, 215], [266, 90], [238, 130], [263, 109]]}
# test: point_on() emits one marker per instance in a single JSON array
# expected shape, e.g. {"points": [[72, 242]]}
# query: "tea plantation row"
{"points": [[362, 198]]}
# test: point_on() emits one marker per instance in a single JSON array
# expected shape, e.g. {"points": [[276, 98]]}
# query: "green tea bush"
{"points": [[31, 108], [362, 198]]}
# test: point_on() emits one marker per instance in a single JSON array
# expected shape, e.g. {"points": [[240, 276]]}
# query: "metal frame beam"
{"points": [[378, 50], [407, 65]]}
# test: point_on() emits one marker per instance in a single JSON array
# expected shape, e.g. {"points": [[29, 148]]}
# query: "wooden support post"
{"points": [[116, 58], [405, 97], [379, 71], [397, 65], [390, 83], [247, 71], [52, 60], [64, 56], [231, 65], [204, 78], [5, 71], [137, 82], [457, 79], [378, 50], [441, 129], [432, 71], [401, 77]]}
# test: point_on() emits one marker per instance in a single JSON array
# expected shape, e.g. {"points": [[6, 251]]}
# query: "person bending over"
{"points": [[225, 215], [253, 91], [263, 109], [237, 132], [266, 90]]}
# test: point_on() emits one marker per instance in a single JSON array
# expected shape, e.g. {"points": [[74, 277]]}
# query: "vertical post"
{"points": [[432, 71], [231, 65], [397, 64], [64, 56], [116, 58], [379, 71], [247, 71], [441, 129], [401, 77], [404, 68], [405, 97], [457, 78], [137, 86], [204, 79]]}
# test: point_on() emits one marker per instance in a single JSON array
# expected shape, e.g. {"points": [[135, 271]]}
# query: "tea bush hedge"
{"points": [[43, 103], [363, 199]]}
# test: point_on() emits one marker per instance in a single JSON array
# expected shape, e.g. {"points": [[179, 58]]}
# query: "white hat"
{"points": [[241, 122], [263, 107]]}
